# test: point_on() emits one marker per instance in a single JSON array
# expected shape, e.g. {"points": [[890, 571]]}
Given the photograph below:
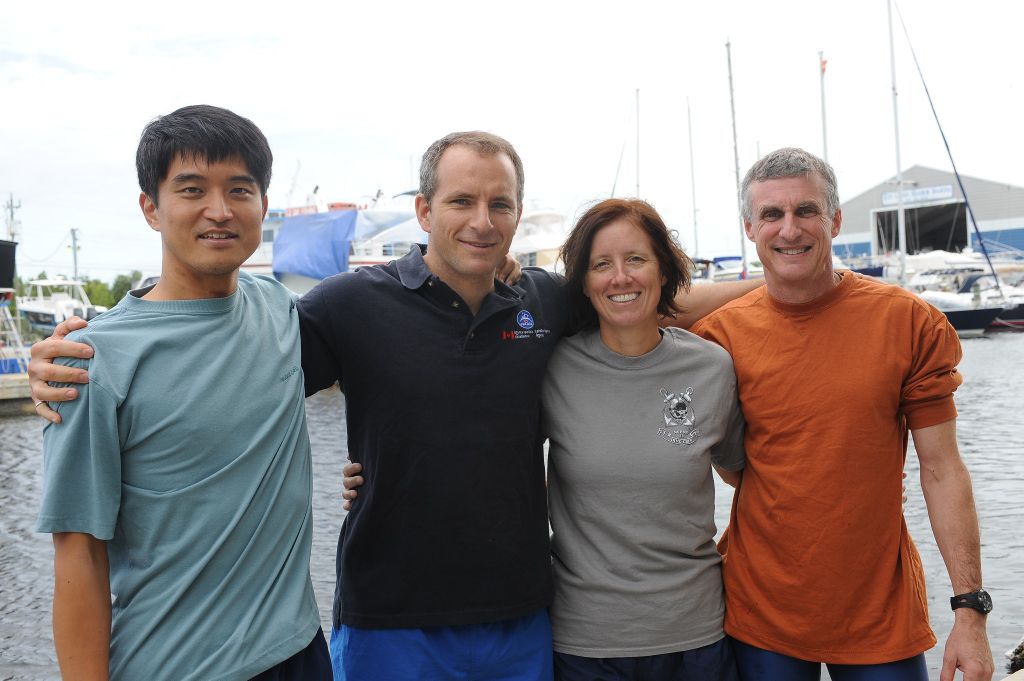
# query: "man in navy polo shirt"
{"points": [[441, 368]]}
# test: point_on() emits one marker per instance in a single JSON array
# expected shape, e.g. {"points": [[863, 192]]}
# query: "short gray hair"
{"points": [[791, 162], [483, 143]]}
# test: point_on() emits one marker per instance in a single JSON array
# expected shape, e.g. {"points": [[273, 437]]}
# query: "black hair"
{"points": [[201, 132]]}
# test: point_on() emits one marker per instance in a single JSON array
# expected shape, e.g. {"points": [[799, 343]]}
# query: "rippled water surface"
{"points": [[991, 405]]}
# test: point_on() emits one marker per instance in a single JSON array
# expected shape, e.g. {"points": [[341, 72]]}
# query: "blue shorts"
{"points": [[757, 664], [310, 664], [712, 662], [510, 650]]}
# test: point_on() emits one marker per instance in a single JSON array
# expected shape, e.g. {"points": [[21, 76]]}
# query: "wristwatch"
{"points": [[978, 600]]}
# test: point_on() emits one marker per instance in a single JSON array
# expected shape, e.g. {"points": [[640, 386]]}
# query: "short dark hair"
{"points": [[575, 253], [483, 143], [201, 131], [791, 162]]}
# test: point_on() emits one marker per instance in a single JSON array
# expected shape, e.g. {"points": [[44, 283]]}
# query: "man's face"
{"points": [[210, 219], [472, 216], [793, 233]]}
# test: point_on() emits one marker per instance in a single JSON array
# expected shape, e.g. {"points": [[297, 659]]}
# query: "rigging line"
{"points": [[960, 183], [55, 251]]}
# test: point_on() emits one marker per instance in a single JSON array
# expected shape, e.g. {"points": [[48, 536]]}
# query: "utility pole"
{"points": [[736, 159], [74, 251], [12, 224]]}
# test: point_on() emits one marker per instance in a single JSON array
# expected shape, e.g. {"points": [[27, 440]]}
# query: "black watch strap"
{"points": [[976, 600]]}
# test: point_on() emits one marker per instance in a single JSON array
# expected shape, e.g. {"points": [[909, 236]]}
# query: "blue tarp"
{"points": [[315, 245]]}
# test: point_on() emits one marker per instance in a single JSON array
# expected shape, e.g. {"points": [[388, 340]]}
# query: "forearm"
{"points": [[81, 607], [954, 520], [731, 478], [703, 299]]}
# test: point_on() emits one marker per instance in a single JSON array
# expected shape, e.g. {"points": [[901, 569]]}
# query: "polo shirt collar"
{"points": [[412, 271]]}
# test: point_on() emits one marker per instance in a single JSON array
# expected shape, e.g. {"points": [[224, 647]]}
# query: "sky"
{"points": [[350, 95]]}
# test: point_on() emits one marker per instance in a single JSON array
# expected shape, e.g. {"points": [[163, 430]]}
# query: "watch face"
{"points": [[985, 601]]}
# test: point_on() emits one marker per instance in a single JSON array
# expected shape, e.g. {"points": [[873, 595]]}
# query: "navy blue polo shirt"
{"points": [[443, 411]]}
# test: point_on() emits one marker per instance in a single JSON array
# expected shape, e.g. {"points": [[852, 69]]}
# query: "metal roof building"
{"points": [[936, 215]]}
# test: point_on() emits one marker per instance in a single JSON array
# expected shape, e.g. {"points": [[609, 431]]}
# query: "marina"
{"points": [[989, 404]]}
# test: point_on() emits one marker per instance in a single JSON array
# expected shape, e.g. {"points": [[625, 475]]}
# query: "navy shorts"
{"points": [[712, 662], [511, 650], [757, 664], [313, 663]]}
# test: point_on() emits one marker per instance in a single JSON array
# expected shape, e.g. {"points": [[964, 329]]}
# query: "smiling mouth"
{"points": [[219, 236], [624, 297], [792, 251], [477, 244]]}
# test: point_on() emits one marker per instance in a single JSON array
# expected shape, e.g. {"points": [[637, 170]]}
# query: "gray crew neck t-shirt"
{"points": [[188, 453], [631, 495]]}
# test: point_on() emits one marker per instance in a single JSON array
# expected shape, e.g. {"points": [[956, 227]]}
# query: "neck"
{"points": [[171, 287], [472, 289], [799, 292], [632, 341]]}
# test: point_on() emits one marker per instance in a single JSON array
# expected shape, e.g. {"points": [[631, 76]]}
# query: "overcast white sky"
{"points": [[355, 92]]}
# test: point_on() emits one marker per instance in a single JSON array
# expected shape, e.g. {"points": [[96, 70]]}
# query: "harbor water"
{"points": [[990, 403]]}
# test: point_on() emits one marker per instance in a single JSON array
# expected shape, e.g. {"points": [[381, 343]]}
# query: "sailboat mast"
{"points": [[693, 182], [900, 217], [824, 129], [736, 159], [638, 143]]}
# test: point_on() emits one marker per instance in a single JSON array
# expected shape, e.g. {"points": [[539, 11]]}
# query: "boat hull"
{"points": [[972, 323]]}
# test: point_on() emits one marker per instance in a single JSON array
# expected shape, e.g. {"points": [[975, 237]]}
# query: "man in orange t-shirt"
{"points": [[833, 370]]}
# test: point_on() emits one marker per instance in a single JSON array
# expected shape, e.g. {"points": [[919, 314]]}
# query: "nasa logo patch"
{"points": [[525, 320]]}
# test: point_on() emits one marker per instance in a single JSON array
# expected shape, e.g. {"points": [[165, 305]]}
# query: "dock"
{"points": [[15, 397]]}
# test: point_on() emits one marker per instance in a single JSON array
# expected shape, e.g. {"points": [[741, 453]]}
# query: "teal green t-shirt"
{"points": [[187, 452]]}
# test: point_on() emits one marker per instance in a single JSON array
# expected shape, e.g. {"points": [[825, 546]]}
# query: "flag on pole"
{"points": [[823, 63]]}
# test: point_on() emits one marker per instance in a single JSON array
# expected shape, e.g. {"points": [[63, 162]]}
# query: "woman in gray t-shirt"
{"points": [[636, 416]]}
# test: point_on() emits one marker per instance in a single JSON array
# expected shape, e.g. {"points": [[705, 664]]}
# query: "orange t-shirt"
{"points": [[818, 561]]}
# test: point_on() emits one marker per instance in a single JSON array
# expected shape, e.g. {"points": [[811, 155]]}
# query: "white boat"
{"points": [[538, 239], [305, 244], [13, 353], [51, 301], [970, 288]]}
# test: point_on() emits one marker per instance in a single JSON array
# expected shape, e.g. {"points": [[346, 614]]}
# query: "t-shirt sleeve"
{"points": [[320, 362], [708, 329], [927, 394], [729, 454], [82, 465]]}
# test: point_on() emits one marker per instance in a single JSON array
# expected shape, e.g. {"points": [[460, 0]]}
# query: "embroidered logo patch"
{"points": [[527, 328], [680, 419]]}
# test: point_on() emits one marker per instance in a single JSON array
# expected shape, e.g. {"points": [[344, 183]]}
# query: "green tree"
{"points": [[99, 293], [123, 283]]}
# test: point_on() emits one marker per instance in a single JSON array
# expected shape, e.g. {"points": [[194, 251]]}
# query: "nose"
{"points": [[217, 208], [481, 218], [620, 275], [789, 228]]}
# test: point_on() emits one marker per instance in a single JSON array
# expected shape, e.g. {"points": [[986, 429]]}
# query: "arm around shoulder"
{"points": [[703, 299]]}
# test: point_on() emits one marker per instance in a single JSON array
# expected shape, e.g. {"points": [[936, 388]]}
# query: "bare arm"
{"points": [[731, 478], [947, 492], [510, 271], [42, 369], [703, 299], [81, 606]]}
